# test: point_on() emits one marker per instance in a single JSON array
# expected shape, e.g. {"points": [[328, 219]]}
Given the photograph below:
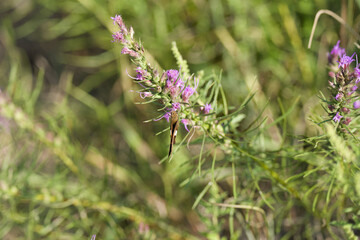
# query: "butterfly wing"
{"points": [[174, 125]]}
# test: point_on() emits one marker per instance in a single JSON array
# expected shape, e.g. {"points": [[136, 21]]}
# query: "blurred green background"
{"points": [[77, 158]]}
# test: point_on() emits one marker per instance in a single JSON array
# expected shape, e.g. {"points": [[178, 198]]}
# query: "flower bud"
{"points": [[357, 104]]}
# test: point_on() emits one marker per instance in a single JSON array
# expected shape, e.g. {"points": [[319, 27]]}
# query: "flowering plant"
{"points": [[344, 100], [177, 90]]}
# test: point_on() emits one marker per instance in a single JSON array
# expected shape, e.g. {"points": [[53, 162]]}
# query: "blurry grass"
{"points": [[77, 159]]}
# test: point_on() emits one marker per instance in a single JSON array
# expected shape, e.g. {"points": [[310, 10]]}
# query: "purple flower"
{"points": [[132, 53], [356, 104], [353, 89], [175, 106], [207, 107], [186, 94], [179, 83], [174, 84], [167, 116], [174, 92], [168, 84], [357, 71], [345, 61], [141, 74], [357, 74], [337, 51], [118, 37], [172, 74], [185, 122], [339, 96], [189, 91], [337, 117], [118, 19]]}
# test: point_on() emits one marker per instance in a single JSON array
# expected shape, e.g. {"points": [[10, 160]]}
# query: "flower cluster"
{"points": [[179, 93], [171, 88], [146, 75], [126, 37], [344, 100]]}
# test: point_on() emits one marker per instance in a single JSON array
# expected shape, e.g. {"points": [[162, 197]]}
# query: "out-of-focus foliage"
{"points": [[77, 158]]}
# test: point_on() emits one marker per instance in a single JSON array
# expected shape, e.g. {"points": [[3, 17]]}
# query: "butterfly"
{"points": [[174, 125]]}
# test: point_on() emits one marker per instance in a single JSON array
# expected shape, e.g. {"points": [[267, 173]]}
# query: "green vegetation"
{"points": [[77, 157]]}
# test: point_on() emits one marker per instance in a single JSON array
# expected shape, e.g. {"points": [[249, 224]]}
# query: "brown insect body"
{"points": [[174, 125]]}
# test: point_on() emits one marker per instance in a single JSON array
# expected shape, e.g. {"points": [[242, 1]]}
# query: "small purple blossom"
{"points": [[132, 53], [168, 84], [357, 74], [353, 89], [337, 117], [185, 122], [345, 61], [174, 92], [356, 104], [141, 74], [118, 37], [174, 84], [207, 107], [189, 91], [337, 51], [172, 74], [179, 83], [175, 106], [118, 19], [167, 116], [186, 94], [357, 71], [339, 96]]}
